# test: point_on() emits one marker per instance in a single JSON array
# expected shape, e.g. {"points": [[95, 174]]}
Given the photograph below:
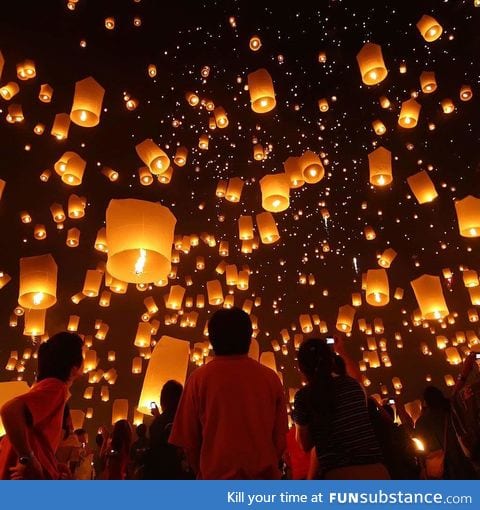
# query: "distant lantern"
{"points": [[180, 157], [58, 214], [245, 228], [468, 216], [105, 297], [258, 152], [294, 172], [346, 314], [139, 239], [377, 290], [192, 98], [262, 93], [61, 125], [152, 70], [73, 322], [87, 102], [453, 356], [119, 410], [76, 206], [109, 23], [203, 142], [34, 322], [166, 177], [380, 165], [169, 361], [311, 167], [73, 170], [234, 189], [38, 282], [422, 187], [379, 127], [93, 280], [275, 192], [46, 93], [430, 28], [447, 105], [137, 365], [175, 297], [384, 102], [215, 292], [323, 105], [408, 117], [430, 299], [466, 93], [305, 323], [39, 129], [267, 228], [428, 83], [470, 278], [26, 70], [73, 237], [221, 118], [143, 335], [40, 232], [145, 176], [371, 64], [387, 257], [9, 90], [255, 43], [153, 156]]}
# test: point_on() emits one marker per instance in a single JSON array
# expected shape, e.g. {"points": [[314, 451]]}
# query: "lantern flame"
{"points": [[140, 264], [38, 298], [418, 444]]}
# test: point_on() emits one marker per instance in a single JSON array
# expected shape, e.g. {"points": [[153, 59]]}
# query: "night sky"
{"points": [[180, 38]]}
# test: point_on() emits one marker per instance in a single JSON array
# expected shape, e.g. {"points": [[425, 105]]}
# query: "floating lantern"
{"points": [[73, 237], [267, 228], [379, 127], [26, 70], [38, 282], [470, 278], [465, 93], [369, 233], [305, 323], [377, 288], [154, 157], [9, 90], [76, 206], [87, 102], [453, 356], [387, 257], [143, 335], [422, 187], [428, 83], [215, 292], [258, 152], [255, 43], [371, 64], [294, 172], [275, 192], [311, 167], [380, 165], [137, 365], [221, 118], [429, 294], [468, 216], [180, 157], [474, 293], [175, 297], [34, 322], [262, 93], [408, 117], [139, 239], [119, 410], [323, 105], [192, 98], [234, 189], [73, 169], [46, 93], [447, 105], [145, 176], [203, 142], [430, 28], [93, 280], [245, 227], [346, 314], [152, 70]]}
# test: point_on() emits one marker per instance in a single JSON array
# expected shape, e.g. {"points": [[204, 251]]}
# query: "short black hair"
{"points": [[79, 432], [58, 355], [141, 430], [230, 332], [170, 396]]}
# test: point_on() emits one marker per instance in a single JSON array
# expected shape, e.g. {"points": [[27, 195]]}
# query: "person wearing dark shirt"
{"points": [[331, 416], [137, 452]]}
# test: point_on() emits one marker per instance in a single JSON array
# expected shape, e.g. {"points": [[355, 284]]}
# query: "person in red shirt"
{"points": [[33, 421], [232, 418]]}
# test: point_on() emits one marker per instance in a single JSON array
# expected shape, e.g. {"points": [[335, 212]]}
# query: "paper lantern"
{"points": [[429, 294], [242, 282], [137, 365], [305, 323], [422, 187], [166, 177], [377, 291], [26, 70], [61, 125], [294, 172], [169, 361], [34, 322], [472, 315], [175, 297], [145, 176], [73, 237], [87, 102], [379, 127], [369, 233], [234, 189], [323, 105], [470, 278], [223, 249], [154, 157], [192, 98], [387, 257], [258, 152], [203, 142], [275, 192], [468, 216], [76, 206], [465, 93], [139, 239], [255, 43], [221, 118], [267, 228], [73, 169], [428, 83], [408, 117], [474, 293], [215, 292], [311, 167], [180, 157], [221, 189], [453, 356], [380, 166], [38, 282], [73, 322], [93, 280], [104, 300], [447, 105], [346, 314], [371, 64], [15, 113], [262, 93], [58, 214], [101, 240], [231, 274], [119, 410], [245, 227], [430, 28], [9, 90], [356, 299]]}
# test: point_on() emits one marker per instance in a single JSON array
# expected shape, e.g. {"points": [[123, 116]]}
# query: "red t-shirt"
{"points": [[233, 416], [46, 402]]}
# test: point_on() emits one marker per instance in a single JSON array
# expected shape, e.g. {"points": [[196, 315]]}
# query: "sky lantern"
{"points": [[430, 28], [255, 43], [192, 98], [408, 117], [275, 192], [87, 102], [267, 228], [93, 280], [346, 314], [180, 157], [470, 278], [422, 187], [379, 127], [294, 172], [234, 189], [169, 361], [154, 157], [428, 82], [468, 216], [323, 104], [215, 292], [311, 167], [380, 166], [34, 322], [430, 299], [143, 335], [377, 290], [245, 227], [152, 70], [46, 93], [371, 64], [221, 118], [26, 70], [38, 282], [9, 90], [465, 93], [73, 169], [453, 356], [262, 93], [119, 410], [175, 297], [76, 206], [258, 152], [139, 239], [387, 257], [61, 125], [305, 323]]}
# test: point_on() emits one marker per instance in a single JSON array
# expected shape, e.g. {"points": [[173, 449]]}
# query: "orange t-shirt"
{"points": [[46, 402], [233, 416]]}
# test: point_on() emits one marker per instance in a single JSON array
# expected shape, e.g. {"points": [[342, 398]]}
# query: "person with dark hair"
{"points": [[232, 418], [84, 470], [33, 422], [116, 451], [138, 452], [98, 462], [331, 416]]}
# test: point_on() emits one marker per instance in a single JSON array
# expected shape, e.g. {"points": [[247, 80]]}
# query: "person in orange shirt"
{"points": [[33, 421], [232, 418]]}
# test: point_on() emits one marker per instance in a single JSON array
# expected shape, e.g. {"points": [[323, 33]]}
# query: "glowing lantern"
{"points": [[73, 322], [38, 282], [73, 237], [93, 280], [221, 189], [150, 304], [294, 172], [311, 167], [26, 70], [429, 294], [152, 70], [305, 323], [175, 297], [377, 290], [76, 206], [105, 299], [104, 393], [169, 361], [408, 117], [119, 410], [242, 283], [369, 233], [87, 102], [73, 169], [231, 274], [234, 189], [143, 335], [323, 105], [221, 118], [346, 314], [15, 113], [387, 257], [465, 93], [428, 83], [9, 90], [470, 278], [215, 292], [192, 98], [453, 356], [137, 365], [90, 361], [139, 239], [180, 157], [245, 227], [430, 28], [371, 64], [380, 165], [262, 93], [422, 187], [203, 142], [57, 212], [468, 216], [154, 157], [275, 192], [447, 105], [145, 176], [255, 43], [101, 240], [356, 299], [379, 127], [472, 315], [34, 323], [474, 293], [267, 228]]}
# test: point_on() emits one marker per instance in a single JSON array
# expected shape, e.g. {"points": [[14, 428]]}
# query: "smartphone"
{"points": [[391, 401], [477, 355], [153, 405], [330, 340]]}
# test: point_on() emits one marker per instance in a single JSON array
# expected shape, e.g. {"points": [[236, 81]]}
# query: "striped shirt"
{"points": [[349, 438]]}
